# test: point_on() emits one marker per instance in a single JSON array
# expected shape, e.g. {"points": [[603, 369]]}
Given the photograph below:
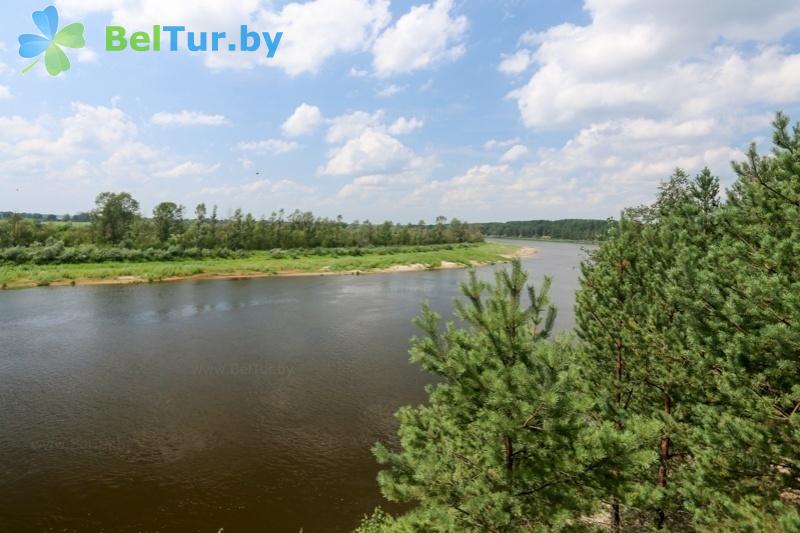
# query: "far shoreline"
{"points": [[503, 254], [542, 239]]}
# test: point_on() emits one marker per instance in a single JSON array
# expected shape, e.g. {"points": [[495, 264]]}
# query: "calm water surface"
{"points": [[195, 406]]}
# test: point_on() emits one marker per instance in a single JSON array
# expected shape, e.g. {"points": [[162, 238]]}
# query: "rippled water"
{"points": [[195, 406]]}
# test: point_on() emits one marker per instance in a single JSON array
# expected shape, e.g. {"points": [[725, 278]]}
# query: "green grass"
{"points": [[19, 276]]}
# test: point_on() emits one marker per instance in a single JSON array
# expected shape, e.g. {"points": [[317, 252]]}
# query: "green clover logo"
{"points": [[55, 60]]}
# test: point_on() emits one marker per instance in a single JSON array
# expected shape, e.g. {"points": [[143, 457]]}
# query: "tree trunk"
{"points": [[663, 451], [616, 519], [509, 446]]}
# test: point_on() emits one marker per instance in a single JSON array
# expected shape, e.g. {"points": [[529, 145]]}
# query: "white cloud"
{"points": [[366, 187], [428, 34], [257, 187], [5, 92], [313, 31], [305, 119], [98, 148], [96, 126], [516, 63], [351, 125], [94, 148], [87, 55], [189, 168], [17, 128], [316, 30], [358, 73], [491, 144], [660, 57], [187, 118], [372, 152], [604, 167], [404, 126], [269, 146], [391, 90], [514, 153]]}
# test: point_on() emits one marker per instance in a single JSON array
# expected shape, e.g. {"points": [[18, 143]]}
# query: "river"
{"points": [[246, 405]]}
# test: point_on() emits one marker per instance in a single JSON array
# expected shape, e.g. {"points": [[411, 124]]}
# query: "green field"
{"points": [[258, 263]]}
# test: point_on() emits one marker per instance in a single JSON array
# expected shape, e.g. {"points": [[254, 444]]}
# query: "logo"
{"points": [[50, 42], [174, 37]]}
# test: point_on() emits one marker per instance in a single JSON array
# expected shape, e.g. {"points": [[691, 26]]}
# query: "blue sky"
{"points": [[402, 110]]}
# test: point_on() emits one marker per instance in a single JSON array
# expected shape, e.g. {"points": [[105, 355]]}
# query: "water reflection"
{"points": [[244, 405]]}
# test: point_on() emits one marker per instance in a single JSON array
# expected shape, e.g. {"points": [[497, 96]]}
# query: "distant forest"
{"points": [[79, 217], [117, 230], [571, 229]]}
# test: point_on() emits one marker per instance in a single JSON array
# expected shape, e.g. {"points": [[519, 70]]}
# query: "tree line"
{"points": [[675, 407], [574, 229], [118, 222], [78, 217]]}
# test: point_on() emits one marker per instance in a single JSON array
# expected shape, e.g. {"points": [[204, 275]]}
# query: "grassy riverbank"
{"points": [[257, 264]]}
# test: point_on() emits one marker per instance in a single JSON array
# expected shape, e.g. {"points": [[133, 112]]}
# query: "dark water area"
{"points": [[196, 406]]}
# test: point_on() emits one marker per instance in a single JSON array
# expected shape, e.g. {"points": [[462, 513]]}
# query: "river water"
{"points": [[202, 405]]}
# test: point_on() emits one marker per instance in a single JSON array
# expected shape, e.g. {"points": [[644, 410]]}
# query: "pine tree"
{"points": [[746, 460], [680, 407], [505, 442], [633, 314], [612, 307]]}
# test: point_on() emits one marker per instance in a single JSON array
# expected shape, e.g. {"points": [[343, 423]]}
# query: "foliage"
{"points": [[683, 388], [114, 216], [505, 442], [689, 312], [116, 221], [252, 263], [55, 252], [568, 229]]}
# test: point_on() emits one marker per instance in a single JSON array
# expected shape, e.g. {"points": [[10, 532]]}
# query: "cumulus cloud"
{"points": [[492, 144], [370, 186], [313, 31], [404, 126], [316, 30], [391, 90], [187, 118], [261, 196], [257, 187], [5, 92], [661, 57], [371, 152], [87, 55], [189, 168], [17, 128], [516, 63], [428, 34], [91, 149], [514, 153], [604, 167], [351, 125], [378, 163], [269, 146], [305, 120]]}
